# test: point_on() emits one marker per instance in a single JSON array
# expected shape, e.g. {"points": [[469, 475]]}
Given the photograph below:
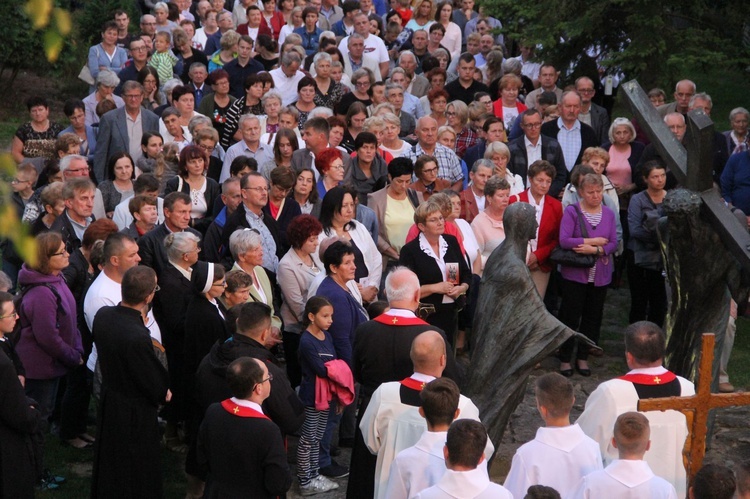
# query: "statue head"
{"points": [[681, 202], [519, 221]]}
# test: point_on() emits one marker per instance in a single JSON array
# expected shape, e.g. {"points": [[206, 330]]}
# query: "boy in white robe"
{"points": [[629, 476], [466, 477], [560, 454], [423, 464]]}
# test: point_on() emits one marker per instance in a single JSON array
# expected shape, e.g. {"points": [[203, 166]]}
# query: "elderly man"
{"points": [[373, 45], [249, 215], [684, 90], [148, 25], [411, 103], [465, 86], [249, 146], [591, 113], [573, 135], [356, 57], [419, 85], [198, 74], [122, 129], [702, 102], [547, 83], [287, 76], [533, 146], [78, 195], [645, 343], [449, 166], [225, 23], [395, 95]]}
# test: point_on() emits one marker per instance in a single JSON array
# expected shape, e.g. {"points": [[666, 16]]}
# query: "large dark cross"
{"points": [[692, 164], [696, 409]]}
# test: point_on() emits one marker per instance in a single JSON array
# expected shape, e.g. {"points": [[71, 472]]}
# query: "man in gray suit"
{"points": [[419, 85], [123, 128], [592, 114]]}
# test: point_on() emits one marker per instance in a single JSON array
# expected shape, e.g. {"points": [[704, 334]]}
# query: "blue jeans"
{"points": [[324, 456]]}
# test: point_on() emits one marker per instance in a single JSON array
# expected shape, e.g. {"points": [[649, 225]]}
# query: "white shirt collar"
{"points": [[424, 378], [247, 403], [528, 143], [400, 312], [649, 370]]}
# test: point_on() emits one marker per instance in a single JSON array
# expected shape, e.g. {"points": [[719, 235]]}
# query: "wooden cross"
{"points": [[696, 409], [691, 164]]}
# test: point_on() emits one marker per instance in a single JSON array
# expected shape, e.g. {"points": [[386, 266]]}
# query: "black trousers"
{"points": [[75, 403], [581, 310], [291, 349], [648, 295]]}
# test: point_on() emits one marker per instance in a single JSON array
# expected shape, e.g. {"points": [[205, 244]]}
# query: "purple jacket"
{"points": [[49, 345], [570, 237]]}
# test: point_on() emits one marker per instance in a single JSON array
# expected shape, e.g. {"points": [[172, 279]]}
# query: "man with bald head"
{"points": [[683, 92], [382, 354], [392, 422]]}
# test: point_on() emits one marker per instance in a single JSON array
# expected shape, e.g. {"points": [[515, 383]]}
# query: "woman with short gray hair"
{"points": [[106, 82], [246, 247], [458, 119], [738, 119], [328, 93], [499, 154]]}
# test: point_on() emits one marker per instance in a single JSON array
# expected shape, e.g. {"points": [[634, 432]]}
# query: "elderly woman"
{"points": [[35, 138], [647, 290], [394, 207], [119, 183], [75, 110], [330, 166], [227, 51], [438, 103], [367, 168], [426, 171], [296, 271], [49, 343], [306, 91], [208, 140], [186, 53], [588, 228], [624, 155], [738, 119], [507, 107], [436, 77], [458, 119], [439, 262], [191, 180], [305, 192], [499, 154], [488, 224], [337, 217], [271, 103], [362, 80], [106, 55], [246, 247], [597, 158], [328, 93], [216, 105], [549, 214], [392, 143], [106, 82]]}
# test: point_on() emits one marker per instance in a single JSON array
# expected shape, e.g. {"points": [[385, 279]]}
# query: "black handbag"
{"points": [[570, 258]]}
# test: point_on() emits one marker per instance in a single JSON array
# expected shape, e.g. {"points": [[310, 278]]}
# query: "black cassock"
{"points": [[18, 422], [127, 460]]}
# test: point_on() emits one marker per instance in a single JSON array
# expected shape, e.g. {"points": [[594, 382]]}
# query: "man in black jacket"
{"points": [[533, 146], [78, 195]]}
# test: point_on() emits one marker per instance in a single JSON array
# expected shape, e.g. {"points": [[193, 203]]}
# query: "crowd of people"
{"points": [[319, 186]]}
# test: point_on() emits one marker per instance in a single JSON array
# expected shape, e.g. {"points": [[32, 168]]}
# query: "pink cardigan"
{"points": [[338, 385]]}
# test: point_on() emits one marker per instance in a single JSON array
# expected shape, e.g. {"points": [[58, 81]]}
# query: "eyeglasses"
{"points": [[13, 314], [269, 378], [156, 288], [60, 253], [196, 250], [207, 148], [362, 83], [586, 91], [138, 49], [222, 284], [19, 181], [532, 125], [258, 189], [450, 113], [337, 167], [78, 170], [430, 170]]}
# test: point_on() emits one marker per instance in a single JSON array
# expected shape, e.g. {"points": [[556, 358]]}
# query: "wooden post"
{"points": [[696, 408]]}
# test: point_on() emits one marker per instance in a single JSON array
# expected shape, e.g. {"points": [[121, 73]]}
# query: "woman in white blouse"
{"points": [[488, 224], [499, 154]]}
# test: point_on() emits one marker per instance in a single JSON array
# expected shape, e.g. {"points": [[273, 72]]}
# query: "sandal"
{"points": [[87, 438], [78, 443]]}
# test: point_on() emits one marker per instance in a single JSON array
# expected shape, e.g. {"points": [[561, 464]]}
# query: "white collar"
{"points": [[630, 473], [528, 143], [247, 403], [649, 370], [425, 246], [401, 312], [424, 378], [432, 443], [465, 483], [564, 438], [562, 126]]}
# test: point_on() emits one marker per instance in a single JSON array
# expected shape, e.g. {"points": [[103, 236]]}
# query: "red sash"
{"points": [[394, 320], [413, 384], [241, 411], [650, 379]]}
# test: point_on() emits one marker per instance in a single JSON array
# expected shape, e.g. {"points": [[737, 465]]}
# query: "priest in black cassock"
{"points": [[127, 456], [242, 447], [381, 355]]}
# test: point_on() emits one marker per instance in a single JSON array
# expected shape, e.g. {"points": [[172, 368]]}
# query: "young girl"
{"points": [[315, 349]]}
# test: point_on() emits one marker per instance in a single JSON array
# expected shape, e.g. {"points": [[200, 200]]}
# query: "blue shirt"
{"points": [[313, 355]]}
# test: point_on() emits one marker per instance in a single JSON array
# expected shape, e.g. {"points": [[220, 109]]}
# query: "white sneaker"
{"points": [[318, 485]]}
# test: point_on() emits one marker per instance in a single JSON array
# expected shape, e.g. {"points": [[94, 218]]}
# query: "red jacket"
{"points": [[549, 228], [497, 108], [338, 385]]}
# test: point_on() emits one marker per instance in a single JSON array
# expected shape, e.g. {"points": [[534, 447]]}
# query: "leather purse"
{"points": [[568, 257]]}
